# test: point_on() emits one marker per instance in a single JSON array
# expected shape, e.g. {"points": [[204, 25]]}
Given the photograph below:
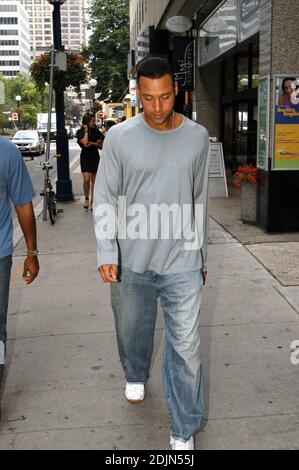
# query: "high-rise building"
{"points": [[14, 39], [73, 28]]}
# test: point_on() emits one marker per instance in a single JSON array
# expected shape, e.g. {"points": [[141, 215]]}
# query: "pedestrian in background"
{"points": [[158, 158], [15, 187], [90, 139]]}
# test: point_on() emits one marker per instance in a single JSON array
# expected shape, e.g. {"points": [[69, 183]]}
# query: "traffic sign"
{"points": [[14, 116]]}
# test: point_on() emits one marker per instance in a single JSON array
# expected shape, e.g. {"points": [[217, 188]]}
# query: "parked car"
{"points": [[29, 142]]}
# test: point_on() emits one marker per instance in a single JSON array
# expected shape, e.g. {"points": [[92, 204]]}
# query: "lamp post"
{"points": [[64, 191], [92, 84], [18, 99]]}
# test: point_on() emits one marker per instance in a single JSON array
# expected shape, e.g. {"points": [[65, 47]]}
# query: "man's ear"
{"points": [[176, 88], [137, 91]]}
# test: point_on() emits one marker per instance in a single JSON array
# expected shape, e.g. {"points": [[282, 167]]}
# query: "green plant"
{"points": [[244, 174], [75, 74]]}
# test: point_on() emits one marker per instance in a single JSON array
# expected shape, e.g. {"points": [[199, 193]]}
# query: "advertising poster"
{"points": [[263, 127], [286, 123]]}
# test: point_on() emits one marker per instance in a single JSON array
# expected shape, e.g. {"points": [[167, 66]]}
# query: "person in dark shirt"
{"points": [[90, 139]]}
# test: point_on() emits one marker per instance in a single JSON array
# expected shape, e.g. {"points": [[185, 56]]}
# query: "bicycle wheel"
{"points": [[52, 207]]}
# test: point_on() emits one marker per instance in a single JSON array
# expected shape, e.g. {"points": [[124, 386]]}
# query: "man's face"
{"points": [[157, 96]]}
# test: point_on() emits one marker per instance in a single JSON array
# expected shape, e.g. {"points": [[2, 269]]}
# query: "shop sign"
{"points": [[286, 123], [249, 18], [263, 124], [218, 33], [217, 176], [183, 50]]}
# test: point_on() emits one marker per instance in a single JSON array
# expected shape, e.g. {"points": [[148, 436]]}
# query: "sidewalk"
{"points": [[65, 387]]}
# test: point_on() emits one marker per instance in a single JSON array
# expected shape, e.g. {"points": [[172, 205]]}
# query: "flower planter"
{"points": [[248, 202]]}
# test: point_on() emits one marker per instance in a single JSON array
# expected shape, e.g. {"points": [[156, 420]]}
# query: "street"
{"points": [[36, 173]]}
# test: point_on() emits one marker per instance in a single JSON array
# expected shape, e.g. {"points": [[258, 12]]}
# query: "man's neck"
{"points": [[169, 124]]}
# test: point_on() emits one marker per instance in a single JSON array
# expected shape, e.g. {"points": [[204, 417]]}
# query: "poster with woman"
{"points": [[286, 123]]}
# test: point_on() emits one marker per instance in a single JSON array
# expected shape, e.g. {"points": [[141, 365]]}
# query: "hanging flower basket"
{"points": [[75, 74], [245, 180]]}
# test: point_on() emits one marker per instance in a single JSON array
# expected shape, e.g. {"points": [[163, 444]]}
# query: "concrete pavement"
{"points": [[64, 384]]}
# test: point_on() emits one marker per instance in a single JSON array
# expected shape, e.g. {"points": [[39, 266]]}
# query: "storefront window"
{"points": [[219, 33], [229, 76], [243, 79], [255, 72]]}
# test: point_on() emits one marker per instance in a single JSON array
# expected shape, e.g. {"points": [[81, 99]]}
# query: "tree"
{"points": [[30, 103], [109, 46]]}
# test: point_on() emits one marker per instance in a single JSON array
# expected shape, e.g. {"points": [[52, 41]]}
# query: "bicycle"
{"points": [[48, 193]]}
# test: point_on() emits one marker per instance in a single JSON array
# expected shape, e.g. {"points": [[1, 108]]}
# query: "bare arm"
{"points": [[27, 222], [84, 140], [98, 144]]}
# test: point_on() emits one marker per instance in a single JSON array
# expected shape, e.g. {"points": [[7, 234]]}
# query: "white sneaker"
{"points": [[178, 444], [135, 392]]}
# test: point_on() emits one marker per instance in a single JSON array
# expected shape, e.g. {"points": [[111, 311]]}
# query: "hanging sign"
{"points": [[183, 50], [249, 18]]}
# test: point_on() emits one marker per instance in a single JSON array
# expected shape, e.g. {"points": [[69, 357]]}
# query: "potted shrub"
{"points": [[245, 180]]}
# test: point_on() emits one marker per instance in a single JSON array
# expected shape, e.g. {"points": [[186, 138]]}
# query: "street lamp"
{"points": [[18, 99], [64, 191], [92, 84]]}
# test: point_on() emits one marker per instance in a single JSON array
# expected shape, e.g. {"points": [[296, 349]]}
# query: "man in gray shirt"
{"points": [[151, 225]]}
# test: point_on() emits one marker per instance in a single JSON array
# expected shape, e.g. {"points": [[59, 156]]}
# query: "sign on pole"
{"points": [[263, 123], [14, 116]]}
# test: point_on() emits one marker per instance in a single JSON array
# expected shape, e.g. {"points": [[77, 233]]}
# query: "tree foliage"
{"points": [[109, 46], [30, 103]]}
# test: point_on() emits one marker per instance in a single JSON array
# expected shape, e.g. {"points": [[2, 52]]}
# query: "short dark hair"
{"points": [[153, 67]]}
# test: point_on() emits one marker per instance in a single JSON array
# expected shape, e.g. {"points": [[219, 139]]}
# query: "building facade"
{"points": [[73, 28], [14, 39], [243, 50]]}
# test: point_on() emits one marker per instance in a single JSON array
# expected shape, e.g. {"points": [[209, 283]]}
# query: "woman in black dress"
{"points": [[90, 140]]}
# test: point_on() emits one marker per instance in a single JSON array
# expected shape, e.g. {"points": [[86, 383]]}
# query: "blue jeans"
{"points": [[134, 302], [5, 269]]}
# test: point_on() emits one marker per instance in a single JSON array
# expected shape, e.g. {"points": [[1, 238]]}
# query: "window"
{"points": [[9, 32], [11, 42], [9, 62], [2, 53], [8, 7], [9, 73], [243, 77], [8, 20]]}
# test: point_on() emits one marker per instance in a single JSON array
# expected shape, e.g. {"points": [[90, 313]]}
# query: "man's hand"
{"points": [[109, 272], [31, 269], [204, 276]]}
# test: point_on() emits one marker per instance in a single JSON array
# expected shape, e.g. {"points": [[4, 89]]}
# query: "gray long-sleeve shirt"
{"points": [[155, 182]]}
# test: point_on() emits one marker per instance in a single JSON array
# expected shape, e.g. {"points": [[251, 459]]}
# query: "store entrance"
{"points": [[240, 133], [239, 108]]}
